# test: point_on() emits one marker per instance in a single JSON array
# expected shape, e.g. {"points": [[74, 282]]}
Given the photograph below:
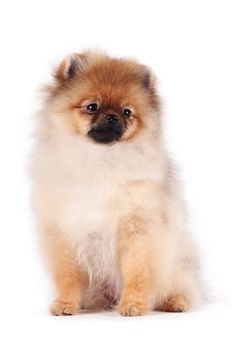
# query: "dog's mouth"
{"points": [[106, 134]]}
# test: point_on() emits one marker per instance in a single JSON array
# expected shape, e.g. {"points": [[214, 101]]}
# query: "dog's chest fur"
{"points": [[88, 188]]}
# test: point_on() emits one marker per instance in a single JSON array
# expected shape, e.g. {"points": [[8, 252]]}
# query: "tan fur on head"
{"points": [[114, 84], [105, 196]]}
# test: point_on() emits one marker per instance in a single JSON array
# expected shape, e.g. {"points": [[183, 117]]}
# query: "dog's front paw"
{"points": [[132, 308], [59, 308]]}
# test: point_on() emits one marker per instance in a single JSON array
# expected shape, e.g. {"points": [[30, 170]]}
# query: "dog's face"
{"points": [[105, 99]]}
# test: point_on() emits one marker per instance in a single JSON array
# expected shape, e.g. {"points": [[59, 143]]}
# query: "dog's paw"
{"points": [[59, 308], [177, 303], [130, 308]]}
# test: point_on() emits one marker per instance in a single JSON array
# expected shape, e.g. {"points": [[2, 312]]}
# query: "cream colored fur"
{"points": [[83, 190]]}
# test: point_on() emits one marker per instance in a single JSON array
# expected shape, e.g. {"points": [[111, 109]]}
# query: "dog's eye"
{"points": [[127, 112], [92, 107]]}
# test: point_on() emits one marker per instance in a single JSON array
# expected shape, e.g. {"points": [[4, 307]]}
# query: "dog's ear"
{"points": [[148, 78], [149, 83], [70, 67]]}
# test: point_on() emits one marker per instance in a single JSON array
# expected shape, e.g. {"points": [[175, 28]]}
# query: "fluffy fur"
{"points": [[108, 209]]}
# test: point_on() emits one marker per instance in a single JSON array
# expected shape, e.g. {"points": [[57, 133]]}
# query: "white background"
{"points": [[189, 46]]}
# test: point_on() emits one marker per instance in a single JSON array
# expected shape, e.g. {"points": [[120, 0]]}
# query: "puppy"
{"points": [[107, 203]]}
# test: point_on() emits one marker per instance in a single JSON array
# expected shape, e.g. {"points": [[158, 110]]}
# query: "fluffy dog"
{"points": [[107, 203]]}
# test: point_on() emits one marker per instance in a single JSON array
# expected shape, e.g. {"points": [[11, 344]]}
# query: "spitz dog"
{"points": [[107, 203]]}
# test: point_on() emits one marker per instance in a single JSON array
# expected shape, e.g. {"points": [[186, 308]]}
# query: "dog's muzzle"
{"points": [[108, 130]]}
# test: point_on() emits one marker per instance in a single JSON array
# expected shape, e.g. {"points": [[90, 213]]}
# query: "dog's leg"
{"points": [[136, 267], [69, 279]]}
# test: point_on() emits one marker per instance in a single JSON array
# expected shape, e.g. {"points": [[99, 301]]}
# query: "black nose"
{"points": [[111, 119]]}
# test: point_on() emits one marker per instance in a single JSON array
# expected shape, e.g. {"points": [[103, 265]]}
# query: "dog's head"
{"points": [[105, 99]]}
